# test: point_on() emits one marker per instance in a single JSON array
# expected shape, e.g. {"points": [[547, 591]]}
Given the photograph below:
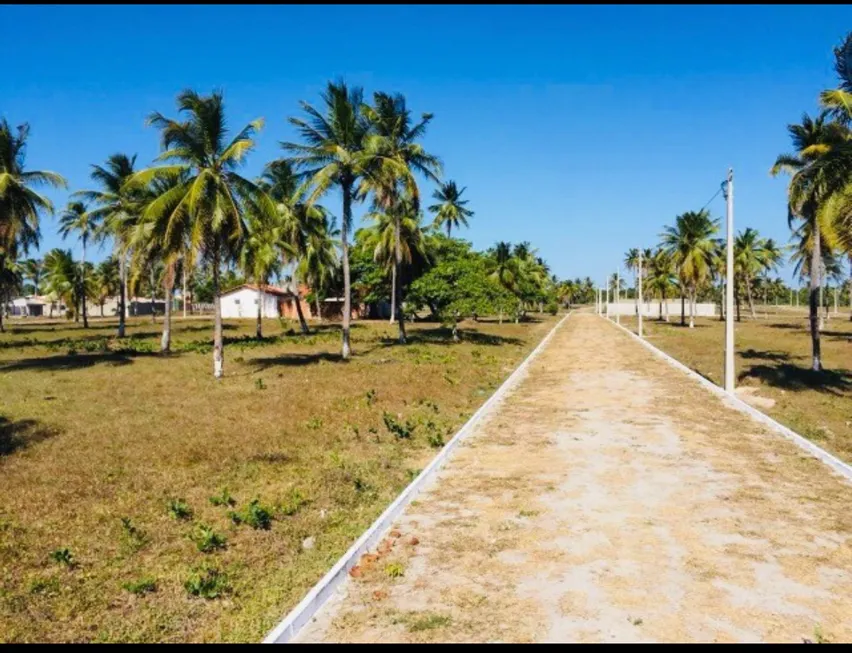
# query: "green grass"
{"points": [[773, 355], [121, 456]]}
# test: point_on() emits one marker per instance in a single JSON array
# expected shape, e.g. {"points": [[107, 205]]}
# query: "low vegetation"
{"points": [[152, 503]]}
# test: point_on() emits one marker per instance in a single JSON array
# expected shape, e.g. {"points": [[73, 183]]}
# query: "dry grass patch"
{"points": [[185, 504]]}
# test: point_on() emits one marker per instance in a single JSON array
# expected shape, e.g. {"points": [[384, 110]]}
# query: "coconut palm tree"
{"points": [[753, 256], [662, 279], [332, 154], [320, 260], [106, 281], [504, 268], [208, 207], [814, 179], [11, 279], [77, 219], [631, 262], [690, 243], [33, 271], [450, 210], [395, 155], [62, 277], [116, 205], [20, 204]]}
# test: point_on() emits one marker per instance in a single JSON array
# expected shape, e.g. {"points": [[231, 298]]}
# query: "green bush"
{"points": [[207, 540], [141, 586], [207, 583]]}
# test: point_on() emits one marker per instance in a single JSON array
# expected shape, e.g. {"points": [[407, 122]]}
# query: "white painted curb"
{"points": [[289, 627], [834, 463]]}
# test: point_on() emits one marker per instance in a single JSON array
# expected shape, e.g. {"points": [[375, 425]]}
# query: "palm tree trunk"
{"points": [[398, 279], [122, 294], [168, 283], [393, 294], [183, 290], [750, 297], [682, 307], [319, 306], [347, 287], [303, 324], [850, 288], [636, 292], [153, 309], [813, 298], [218, 345], [456, 326], [692, 308], [102, 309], [738, 299], [83, 284], [261, 297]]}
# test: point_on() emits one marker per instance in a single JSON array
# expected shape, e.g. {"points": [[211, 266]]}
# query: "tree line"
{"points": [[191, 218]]}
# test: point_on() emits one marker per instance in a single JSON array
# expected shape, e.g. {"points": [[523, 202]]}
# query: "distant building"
{"points": [[243, 301], [30, 306]]}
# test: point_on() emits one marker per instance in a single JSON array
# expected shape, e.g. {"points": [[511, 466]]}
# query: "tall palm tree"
{"points": [[631, 262], [320, 260], [813, 180], [20, 204], [11, 278], [116, 205], [690, 243], [662, 279], [106, 281], [395, 155], [33, 271], [332, 155], [77, 219], [753, 256], [208, 207], [63, 277], [504, 268], [450, 210]]}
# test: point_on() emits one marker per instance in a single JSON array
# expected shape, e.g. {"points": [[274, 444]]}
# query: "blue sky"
{"points": [[581, 129]]}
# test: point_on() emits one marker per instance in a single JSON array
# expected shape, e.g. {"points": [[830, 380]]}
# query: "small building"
{"points": [[243, 301], [30, 306]]}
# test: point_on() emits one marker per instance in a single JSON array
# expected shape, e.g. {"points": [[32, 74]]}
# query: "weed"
{"points": [[370, 397], [224, 498], [134, 537], [528, 513], [207, 540], [429, 622], [314, 424], [395, 570], [63, 557], [47, 586], [142, 586], [413, 473], [179, 509], [255, 515], [207, 583], [292, 503], [399, 430], [259, 384]]}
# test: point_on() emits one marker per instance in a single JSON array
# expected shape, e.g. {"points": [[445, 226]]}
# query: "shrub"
{"points": [[552, 308], [207, 540], [255, 515], [207, 583], [292, 503], [224, 498], [398, 429], [63, 556], [179, 509]]}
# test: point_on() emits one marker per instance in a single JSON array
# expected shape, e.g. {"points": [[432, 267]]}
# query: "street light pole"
{"points": [[606, 291], [729, 286], [640, 292], [617, 299]]}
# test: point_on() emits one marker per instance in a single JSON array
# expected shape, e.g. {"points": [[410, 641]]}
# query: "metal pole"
{"points": [[641, 308], [729, 286], [617, 299]]}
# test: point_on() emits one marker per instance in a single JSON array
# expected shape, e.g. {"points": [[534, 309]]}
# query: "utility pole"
{"points": [[606, 298], [729, 285], [617, 299], [641, 308]]}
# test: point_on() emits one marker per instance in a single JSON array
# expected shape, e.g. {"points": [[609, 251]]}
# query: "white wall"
{"points": [[243, 303], [652, 308]]}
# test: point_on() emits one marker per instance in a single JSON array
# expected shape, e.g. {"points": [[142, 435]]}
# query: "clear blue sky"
{"points": [[581, 129]]}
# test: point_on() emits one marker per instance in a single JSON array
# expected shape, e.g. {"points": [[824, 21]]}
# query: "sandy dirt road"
{"points": [[610, 498]]}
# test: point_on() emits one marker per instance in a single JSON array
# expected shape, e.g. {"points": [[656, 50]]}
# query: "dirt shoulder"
{"points": [[610, 499]]}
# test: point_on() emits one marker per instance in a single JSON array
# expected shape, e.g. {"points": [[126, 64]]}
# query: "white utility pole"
{"points": [[617, 299], [641, 308], [606, 298], [729, 286]]}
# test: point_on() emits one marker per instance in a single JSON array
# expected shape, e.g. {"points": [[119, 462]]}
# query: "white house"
{"points": [[242, 301]]}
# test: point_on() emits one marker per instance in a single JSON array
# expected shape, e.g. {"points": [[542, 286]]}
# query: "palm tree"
{"points": [[661, 279], [631, 262], [117, 207], [753, 256], [503, 268], [813, 180], [107, 281], [76, 218], [33, 270], [320, 260], [208, 207], [11, 278], [63, 277], [332, 155], [260, 256], [690, 243], [20, 204], [394, 156], [450, 211]]}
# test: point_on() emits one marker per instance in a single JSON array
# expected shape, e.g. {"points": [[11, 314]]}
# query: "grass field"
{"points": [[113, 456], [773, 357]]}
